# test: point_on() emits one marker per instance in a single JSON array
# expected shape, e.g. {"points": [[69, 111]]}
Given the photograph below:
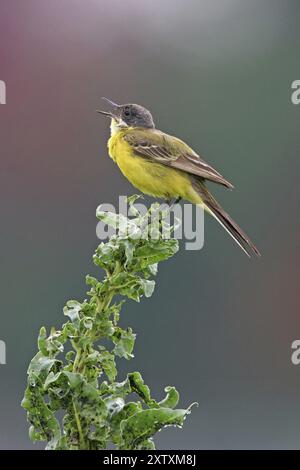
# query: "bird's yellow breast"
{"points": [[149, 177]]}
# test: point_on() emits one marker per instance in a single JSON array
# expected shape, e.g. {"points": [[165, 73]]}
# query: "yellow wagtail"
{"points": [[164, 166]]}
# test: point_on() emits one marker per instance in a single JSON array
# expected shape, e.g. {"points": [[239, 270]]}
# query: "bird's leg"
{"points": [[172, 202], [150, 216]]}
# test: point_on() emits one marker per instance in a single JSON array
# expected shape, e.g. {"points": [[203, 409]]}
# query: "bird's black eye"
{"points": [[126, 112]]}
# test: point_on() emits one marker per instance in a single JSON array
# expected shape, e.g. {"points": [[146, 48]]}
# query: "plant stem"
{"points": [[77, 359], [78, 365], [80, 433]]}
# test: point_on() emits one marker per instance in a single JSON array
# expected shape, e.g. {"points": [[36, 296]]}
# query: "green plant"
{"points": [[96, 413]]}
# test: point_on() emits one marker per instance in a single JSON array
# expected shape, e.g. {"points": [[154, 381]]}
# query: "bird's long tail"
{"points": [[214, 208]]}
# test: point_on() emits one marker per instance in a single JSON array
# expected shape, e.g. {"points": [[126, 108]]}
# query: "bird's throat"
{"points": [[116, 126]]}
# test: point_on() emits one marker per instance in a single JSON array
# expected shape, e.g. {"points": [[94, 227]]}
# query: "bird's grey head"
{"points": [[130, 115]]}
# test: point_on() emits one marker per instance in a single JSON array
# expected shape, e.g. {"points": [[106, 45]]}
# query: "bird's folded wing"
{"points": [[173, 152]]}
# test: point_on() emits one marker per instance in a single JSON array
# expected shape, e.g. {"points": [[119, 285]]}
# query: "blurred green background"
{"points": [[217, 74]]}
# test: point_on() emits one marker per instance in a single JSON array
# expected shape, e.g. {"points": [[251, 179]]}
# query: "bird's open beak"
{"points": [[116, 110]]}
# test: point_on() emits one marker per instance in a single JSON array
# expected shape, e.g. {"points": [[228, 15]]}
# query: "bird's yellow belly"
{"points": [[149, 177]]}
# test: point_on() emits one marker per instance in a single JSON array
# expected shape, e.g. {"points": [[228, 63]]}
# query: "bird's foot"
{"points": [[172, 202]]}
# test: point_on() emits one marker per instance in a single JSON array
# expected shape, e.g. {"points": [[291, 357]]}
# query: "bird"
{"points": [[164, 166]]}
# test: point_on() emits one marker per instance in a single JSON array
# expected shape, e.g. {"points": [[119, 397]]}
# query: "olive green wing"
{"points": [[173, 152]]}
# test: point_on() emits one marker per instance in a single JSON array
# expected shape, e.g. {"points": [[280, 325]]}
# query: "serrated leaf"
{"points": [[143, 425], [92, 407], [148, 287], [72, 310], [124, 342], [138, 386], [41, 364], [106, 328], [153, 268], [132, 199], [129, 249], [42, 345], [148, 444], [132, 286], [91, 281], [172, 398], [75, 379], [128, 410], [115, 311], [107, 361], [70, 356], [51, 379], [106, 254], [114, 405], [155, 251], [44, 425], [87, 322], [125, 226]]}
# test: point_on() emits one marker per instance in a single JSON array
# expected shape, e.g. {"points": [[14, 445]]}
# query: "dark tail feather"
{"points": [[227, 222]]}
